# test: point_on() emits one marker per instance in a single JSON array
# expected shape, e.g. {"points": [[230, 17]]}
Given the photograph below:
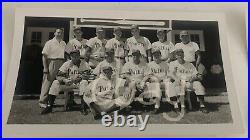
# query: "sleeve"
{"points": [[97, 70], [193, 69], [46, 48], [64, 68], [69, 47], [147, 70], [109, 44], [125, 68], [171, 47], [196, 47], [128, 44], [148, 44], [90, 43], [172, 67]]}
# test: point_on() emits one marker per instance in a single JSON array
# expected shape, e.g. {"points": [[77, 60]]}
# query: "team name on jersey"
{"points": [[73, 71], [103, 88], [135, 72], [157, 70], [184, 71]]}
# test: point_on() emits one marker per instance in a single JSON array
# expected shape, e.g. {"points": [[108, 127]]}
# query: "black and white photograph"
{"points": [[120, 72]]}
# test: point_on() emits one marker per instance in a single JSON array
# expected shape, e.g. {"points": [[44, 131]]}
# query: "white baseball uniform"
{"points": [[119, 47], [76, 44], [70, 71], [185, 72], [101, 92], [98, 48], [142, 44], [98, 70], [54, 51], [165, 47], [189, 50]]}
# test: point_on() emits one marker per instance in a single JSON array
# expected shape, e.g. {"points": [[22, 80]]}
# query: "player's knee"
{"points": [[198, 87]]}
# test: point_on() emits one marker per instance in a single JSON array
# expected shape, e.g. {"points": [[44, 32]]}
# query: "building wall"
{"points": [[30, 77]]}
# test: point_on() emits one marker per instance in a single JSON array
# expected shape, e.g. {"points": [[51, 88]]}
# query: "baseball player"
{"points": [[109, 60], [166, 47], [53, 58], [157, 79], [77, 43], [100, 94], [186, 79], [97, 45], [119, 47], [69, 77], [139, 42], [191, 49], [133, 73]]}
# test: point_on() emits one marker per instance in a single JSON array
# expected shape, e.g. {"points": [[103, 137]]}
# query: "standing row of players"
{"points": [[123, 70]]}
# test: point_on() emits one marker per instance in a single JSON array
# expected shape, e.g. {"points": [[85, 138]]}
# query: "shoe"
{"points": [[156, 111], [42, 105], [97, 116], [84, 112], [204, 110], [46, 110]]}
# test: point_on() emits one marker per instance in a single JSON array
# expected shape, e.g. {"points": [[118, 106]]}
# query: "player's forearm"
{"points": [[45, 64]]}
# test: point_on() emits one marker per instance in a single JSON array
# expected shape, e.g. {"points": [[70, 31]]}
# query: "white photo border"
{"points": [[97, 130]]}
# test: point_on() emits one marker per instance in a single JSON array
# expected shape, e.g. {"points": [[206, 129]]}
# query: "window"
{"points": [[36, 37], [51, 35], [195, 36]]}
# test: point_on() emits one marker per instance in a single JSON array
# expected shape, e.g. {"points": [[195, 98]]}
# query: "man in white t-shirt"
{"points": [[186, 79], [69, 77], [97, 45], [166, 47], [53, 58], [191, 49], [138, 42], [78, 42]]}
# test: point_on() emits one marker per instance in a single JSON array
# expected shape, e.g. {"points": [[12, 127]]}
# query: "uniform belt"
{"points": [[56, 59]]}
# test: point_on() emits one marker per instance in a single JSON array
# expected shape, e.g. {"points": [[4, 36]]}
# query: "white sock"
{"points": [[202, 105]]}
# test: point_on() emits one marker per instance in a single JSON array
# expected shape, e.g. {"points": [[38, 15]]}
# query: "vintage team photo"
{"points": [[113, 71]]}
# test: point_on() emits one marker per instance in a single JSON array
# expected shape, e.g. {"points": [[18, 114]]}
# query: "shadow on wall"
{"points": [[30, 70]]}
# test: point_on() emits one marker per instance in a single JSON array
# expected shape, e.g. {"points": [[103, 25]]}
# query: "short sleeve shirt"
{"points": [[54, 49], [142, 44], [189, 50], [117, 45], [97, 46], [165, 48], [76, 44], [184, 71]]}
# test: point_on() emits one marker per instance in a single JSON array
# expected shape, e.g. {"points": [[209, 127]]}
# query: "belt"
{"points": [[56, 59]]}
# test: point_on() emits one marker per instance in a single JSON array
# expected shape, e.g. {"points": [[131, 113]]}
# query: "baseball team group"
{"points": [[110, 75]]}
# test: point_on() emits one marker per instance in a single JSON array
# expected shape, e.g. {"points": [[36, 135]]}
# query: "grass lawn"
{"points": [[28, 112]]}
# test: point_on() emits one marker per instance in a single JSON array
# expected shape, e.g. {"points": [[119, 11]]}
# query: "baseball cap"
{"points": [[178, 51], [155, 51], [160, 30], [99, 29], [106, 67], [76, 28], [117, 29], [184, 33], [74, 51], [134, 27], [136, 52]]}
